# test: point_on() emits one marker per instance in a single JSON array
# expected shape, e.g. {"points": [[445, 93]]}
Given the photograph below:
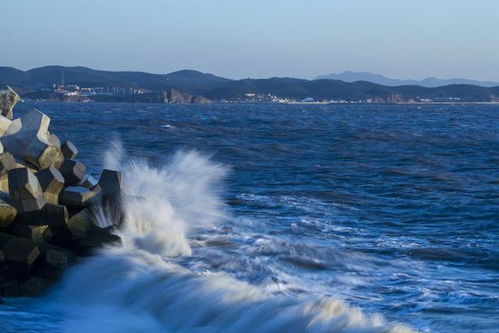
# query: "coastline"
{"points": [[267, 103]]}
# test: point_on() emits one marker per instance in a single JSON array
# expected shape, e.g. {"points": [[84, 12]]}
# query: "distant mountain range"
{"points": [[44, 77], [430, 82], [37, 84]]}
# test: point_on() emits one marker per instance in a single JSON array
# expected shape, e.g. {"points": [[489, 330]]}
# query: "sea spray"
{"points": [[163, 204], [136, 287]]}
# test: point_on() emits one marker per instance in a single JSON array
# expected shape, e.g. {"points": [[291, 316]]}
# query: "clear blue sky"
{"points": [[257, 38]]}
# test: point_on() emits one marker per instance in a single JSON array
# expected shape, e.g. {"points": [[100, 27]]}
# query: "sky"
{"points": [[257, 38]]}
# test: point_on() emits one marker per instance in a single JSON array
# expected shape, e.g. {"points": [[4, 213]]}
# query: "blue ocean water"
{"points": [[393, 210]]}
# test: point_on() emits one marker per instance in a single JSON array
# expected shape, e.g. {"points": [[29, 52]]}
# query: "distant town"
{"points": [[75, 93], [81, 84]]}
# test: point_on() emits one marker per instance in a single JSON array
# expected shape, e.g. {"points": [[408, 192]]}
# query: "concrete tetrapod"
{"points": [[69, 150], [25, 190], [41, 187], [7, 214], [5, 124], [8, 99], [7, 162], [18, 250], [28, 140], [50, 214], [110, 182], [77, 196], [52, 183], [72, 171]]}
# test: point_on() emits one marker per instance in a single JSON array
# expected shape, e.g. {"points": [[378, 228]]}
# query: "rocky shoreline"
{"points": [[49, 204]]}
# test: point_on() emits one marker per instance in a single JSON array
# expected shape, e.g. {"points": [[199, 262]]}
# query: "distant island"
{"points": [[81, 84]]}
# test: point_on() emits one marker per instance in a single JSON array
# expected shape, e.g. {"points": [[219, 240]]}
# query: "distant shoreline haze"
{"points": [[81, 84], [430, 82]]}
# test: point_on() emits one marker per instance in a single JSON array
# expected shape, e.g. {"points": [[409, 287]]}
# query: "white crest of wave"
{"points": [[165, 295], [136, 288], [163, 204]]}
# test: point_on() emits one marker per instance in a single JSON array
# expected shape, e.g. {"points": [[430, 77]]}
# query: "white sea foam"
{"points": [[136, 286]]}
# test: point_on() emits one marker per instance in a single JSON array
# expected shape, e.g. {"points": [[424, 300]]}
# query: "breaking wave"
{"points": [[141, 286]]}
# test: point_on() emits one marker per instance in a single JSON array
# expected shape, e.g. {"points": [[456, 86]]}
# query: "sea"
{"points": [[284, 218]]}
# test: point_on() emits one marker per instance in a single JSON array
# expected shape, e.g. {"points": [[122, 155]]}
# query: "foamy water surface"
{"points": [[273, 218]]}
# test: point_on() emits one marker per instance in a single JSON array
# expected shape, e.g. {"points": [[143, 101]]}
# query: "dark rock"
{"points": [[97, 238], [51, 273], [69, 150], [110, 182], [18, 250], [56, 259], [34, 286], [111, 207], [34, 233], [112, 191], [50, 215], [9, 288], [61, 236], [72, 171], [80, 223], [48, 235], [4, 266]]}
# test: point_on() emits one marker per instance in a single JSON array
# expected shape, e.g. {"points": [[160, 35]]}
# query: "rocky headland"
{"points": [[49, 204]]}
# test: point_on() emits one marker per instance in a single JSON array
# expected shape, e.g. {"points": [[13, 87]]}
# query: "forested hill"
{"points": [[219, 88]]}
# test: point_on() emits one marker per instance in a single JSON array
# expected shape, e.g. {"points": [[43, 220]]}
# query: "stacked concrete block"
{"points": [[72, 171], [55, 141], [51, 182], [54, 264], [35, 233], [48, 204], [7, 162], [76, 196], [110, 182], [7, 214], [25, 190], [88, 181], [69, 150], [50, 214], [43, 156], [28, 140], [5, 123], [18, 250], [8, 99], [56, 259]]}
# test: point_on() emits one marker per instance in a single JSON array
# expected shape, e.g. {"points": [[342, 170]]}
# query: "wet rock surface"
{"points": [[48, 203]]}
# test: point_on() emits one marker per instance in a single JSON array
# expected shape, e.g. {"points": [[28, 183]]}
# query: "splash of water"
{"points": [[164, 204], [137, 287]]}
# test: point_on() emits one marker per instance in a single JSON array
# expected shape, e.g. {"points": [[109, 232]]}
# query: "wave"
{"points": [[141, 286]]}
